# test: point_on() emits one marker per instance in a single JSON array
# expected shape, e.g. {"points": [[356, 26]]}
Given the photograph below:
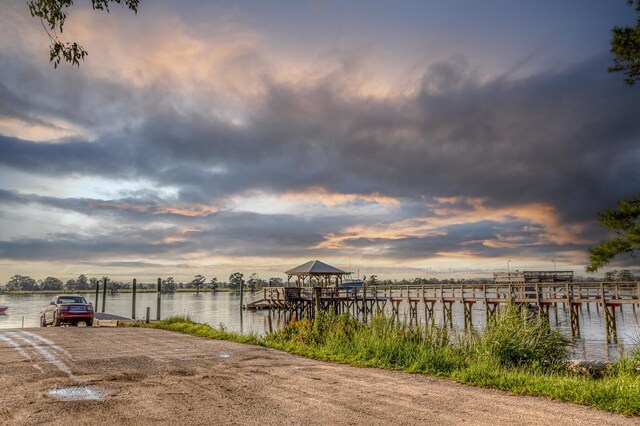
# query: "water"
{"points": [[78, 393], [213, 309], [224, 309]]}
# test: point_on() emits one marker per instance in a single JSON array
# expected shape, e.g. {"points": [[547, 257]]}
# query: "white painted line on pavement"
{"points": [[15, 345], [52, 344], [49, 356]]}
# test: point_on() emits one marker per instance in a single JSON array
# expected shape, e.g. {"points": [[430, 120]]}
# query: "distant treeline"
{"points": [[169, 285], [235, 281]]}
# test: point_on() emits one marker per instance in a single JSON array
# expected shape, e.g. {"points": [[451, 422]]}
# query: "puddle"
{"points": [[224, 355], [78, 393]]}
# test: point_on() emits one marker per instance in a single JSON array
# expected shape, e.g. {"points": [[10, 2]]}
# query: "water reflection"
{"points": [[224, 309]]}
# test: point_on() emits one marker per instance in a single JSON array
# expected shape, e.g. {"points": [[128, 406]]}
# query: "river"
{"points": [[224, 309]]}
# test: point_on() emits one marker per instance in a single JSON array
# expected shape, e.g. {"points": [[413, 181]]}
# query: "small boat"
{"points": [[3, 309]]}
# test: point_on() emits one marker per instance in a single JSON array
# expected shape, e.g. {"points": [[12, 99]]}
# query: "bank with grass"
{"points": [[516, 352]]}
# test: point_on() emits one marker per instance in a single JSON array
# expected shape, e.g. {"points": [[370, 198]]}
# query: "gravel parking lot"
{"points": [[130, 376]]}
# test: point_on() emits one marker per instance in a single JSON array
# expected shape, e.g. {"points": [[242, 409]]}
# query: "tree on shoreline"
{"points": [[625, 47], [51, 283], [276, 282], [625, 222], [235, 281], [255, 282], [213, 285], [197, 282], [621, 276], [168, 286], [21, 283]]}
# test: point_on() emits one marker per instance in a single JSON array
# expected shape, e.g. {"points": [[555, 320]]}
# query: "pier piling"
{"points": [[133, 299], [104, 293], [158, 298]]}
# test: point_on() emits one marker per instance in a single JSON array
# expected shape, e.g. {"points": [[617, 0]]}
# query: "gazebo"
{"points": [[322, 273]]}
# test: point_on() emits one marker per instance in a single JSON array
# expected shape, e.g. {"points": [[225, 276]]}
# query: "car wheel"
{"points": [[43, 322], [89, 323], [56, 321]]}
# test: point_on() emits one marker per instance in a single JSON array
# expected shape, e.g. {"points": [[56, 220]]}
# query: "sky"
{"points": [[402, 139]]}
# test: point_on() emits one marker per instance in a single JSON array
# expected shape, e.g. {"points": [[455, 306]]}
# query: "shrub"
{"points": [[515, 337]]}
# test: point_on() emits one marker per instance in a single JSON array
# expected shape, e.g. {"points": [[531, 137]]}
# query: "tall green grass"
{"points": [[515, 337], [516, 352]]}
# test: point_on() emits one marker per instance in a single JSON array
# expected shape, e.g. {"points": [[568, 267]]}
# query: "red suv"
{"points": [[67, 310]]}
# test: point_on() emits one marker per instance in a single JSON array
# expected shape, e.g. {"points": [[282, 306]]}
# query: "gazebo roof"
{"points": [[315, 267]]}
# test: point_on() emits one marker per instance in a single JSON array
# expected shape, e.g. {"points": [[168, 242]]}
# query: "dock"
{"points": [[102, 319], [369, 300]]}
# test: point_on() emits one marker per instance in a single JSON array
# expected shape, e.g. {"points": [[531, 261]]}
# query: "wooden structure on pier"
{"points": [[314, 269], [366, 301], [522, 277]]}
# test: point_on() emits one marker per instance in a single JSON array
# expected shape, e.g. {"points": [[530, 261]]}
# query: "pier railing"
{"points": [[604, 292]]}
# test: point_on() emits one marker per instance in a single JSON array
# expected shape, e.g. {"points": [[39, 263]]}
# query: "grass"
{"points": [[516, 352], [183, 324]]}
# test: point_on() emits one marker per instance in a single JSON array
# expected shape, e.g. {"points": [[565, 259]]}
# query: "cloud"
{"points": [[490, 140], [453, 162]]}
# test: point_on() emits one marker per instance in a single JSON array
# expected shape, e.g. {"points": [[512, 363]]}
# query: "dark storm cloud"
{"points": [[240, 234], [148, 206], [567, 138], [73, 247]]}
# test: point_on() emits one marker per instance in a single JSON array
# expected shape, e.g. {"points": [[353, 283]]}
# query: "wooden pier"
{"points": [[369, 300]]}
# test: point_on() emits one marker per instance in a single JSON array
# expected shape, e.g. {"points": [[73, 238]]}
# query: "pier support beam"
{"points": [[611, 330], [574, 320], [395, 307], [413, 312], [490, 310], [428, 312], [468, 319], [543, 310], [447, 308]]}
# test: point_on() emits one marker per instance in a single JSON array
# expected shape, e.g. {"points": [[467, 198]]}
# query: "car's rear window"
{"points": [[65, 300]]}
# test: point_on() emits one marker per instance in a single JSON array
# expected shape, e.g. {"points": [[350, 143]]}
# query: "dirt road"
{"points": [[141, 376]]}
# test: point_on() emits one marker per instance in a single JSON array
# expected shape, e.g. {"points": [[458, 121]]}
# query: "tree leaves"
{"points": [[625, 222], [625, 47], [53, 15]]}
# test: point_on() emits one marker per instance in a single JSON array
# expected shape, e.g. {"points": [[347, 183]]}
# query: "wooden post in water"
{"points": [[104, 293], [609, 311], [148, 314], [158, 299], [95, 308], [316, 297], [241, 295], [133, 299], [364, 302]]}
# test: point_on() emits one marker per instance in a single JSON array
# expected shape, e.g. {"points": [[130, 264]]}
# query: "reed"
{"points": [[516, 337]]}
